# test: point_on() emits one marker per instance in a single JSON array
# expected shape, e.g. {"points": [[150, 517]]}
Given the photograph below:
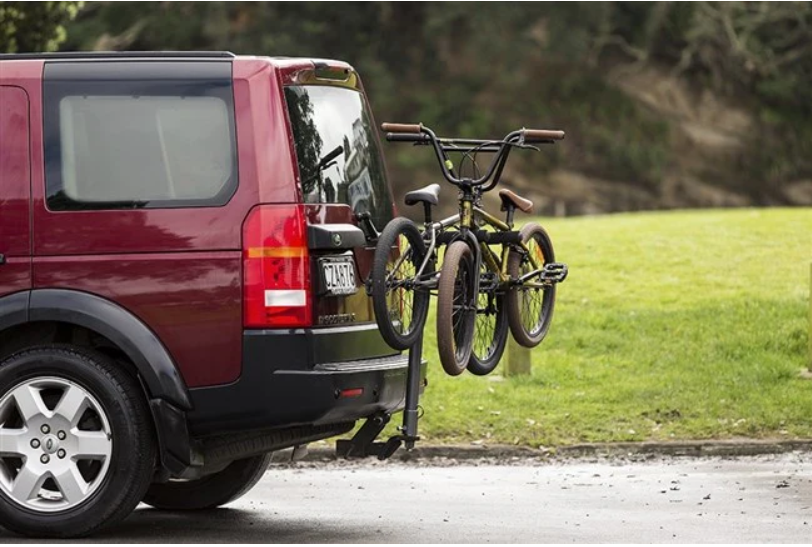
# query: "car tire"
{"points": [[210, 491], [77, 448]]}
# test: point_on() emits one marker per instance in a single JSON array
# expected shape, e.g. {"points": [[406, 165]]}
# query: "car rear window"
{"points": [[337, 150], [138, 135]]}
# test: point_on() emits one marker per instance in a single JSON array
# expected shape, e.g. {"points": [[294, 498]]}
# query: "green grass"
{"points": [[677, 325]]}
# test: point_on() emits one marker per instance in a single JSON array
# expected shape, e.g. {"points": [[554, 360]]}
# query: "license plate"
{"points": [[338, 275]]}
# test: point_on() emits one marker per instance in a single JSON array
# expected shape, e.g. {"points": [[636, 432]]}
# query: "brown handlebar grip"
{"points": [[544, 134], [402, 127]]}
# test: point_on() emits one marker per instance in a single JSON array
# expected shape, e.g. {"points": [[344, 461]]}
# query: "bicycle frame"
{"points": [[496, 263]]}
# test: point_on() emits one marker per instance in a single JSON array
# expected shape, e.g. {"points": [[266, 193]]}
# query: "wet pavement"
{"points": [[684, 500]]}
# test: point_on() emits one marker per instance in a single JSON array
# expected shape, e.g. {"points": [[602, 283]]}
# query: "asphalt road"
{"points": [[758, 499]]}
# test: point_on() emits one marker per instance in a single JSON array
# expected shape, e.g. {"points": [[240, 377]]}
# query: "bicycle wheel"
{"points": [[491, 329], [456, 308], [400, 310], [530, 307]]}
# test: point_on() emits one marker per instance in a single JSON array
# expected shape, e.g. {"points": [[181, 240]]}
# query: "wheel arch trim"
{"points": [[14, 309], [152, 360]]}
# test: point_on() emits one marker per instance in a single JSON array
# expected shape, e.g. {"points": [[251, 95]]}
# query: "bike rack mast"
{"points": [[363, 444], [410, 413]]}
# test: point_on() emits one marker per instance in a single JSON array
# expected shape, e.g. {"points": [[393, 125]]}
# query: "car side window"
{"points": [[138, 136]]}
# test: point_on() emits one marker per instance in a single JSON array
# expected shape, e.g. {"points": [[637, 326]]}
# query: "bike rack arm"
{"points": [[363, 443]]}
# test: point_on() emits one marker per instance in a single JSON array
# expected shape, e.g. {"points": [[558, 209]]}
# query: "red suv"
{"points": [[184, 240]]}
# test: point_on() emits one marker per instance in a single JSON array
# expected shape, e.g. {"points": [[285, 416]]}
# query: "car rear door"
{"points": [[342, 178]]}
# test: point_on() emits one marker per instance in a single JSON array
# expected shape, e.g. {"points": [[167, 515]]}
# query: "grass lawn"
{"points": [[671, 325]]}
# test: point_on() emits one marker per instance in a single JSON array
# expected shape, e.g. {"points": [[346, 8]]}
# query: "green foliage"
{"points": [[761, 51], [485, 68], [34, 26], [615, 137]]}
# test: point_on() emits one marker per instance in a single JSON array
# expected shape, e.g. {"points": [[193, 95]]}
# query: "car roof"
{"points": [[75, 55], [280, 61], [287, 67]]}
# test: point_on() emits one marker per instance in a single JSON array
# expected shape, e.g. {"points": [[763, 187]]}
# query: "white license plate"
{"points": [[339, 276]]}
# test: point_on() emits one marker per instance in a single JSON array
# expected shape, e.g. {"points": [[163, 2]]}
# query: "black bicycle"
{"points": [[481, 292]]}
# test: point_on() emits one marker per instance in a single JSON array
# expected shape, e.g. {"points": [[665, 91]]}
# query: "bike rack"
{"points": [[363, 443]]}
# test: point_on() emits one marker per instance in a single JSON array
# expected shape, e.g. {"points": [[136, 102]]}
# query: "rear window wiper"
{"points": [[367, 226], [325, 162]]}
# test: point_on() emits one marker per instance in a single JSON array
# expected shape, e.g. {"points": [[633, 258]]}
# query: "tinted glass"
{"points": [[123, 142], [337, 150]]}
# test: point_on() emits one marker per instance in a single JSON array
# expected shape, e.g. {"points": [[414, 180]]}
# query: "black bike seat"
{"points": [[430, 194]]}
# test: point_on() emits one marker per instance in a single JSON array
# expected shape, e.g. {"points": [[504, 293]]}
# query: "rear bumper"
{"points": [[298, 377]]}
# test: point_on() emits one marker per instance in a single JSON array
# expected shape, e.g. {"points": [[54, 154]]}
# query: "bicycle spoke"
{"points": [[485, 329], [400, 273], [530, 301], [396, 267], [461, 311], [531, 298], [405, 310]]}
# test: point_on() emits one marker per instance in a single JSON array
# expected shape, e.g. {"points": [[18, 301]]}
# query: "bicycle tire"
{"points": [[490, 330], [530, 312], [399, 329], [457, 289]]}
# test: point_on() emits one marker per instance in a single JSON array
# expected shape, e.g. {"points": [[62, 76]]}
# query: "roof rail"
{"points": [[120, 55]]}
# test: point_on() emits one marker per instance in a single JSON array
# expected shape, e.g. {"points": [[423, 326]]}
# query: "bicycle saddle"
{"points": [[430, 194], [510, 199]]}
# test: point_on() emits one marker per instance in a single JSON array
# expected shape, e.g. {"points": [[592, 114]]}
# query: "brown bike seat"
{"points": [[511, 199]]}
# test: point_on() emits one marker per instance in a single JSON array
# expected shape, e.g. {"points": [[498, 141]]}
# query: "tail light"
{"points": [[276, 268]]}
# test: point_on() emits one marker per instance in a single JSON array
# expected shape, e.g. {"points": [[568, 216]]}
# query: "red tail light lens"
{"points": [[276, 268]]}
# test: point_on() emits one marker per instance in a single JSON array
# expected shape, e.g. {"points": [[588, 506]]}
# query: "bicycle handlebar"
{"points": [[419, 134], [408, 137], [531, 135], [402, 127]]}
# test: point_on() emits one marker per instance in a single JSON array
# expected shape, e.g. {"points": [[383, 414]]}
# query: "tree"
{"points": [[482, 69], [34, 26]]}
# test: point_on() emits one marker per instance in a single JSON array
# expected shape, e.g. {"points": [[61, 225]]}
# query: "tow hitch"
{"points": [[363, 443]]}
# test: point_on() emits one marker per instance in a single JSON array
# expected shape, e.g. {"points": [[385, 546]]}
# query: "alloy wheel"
{"points": [[55, 444]]}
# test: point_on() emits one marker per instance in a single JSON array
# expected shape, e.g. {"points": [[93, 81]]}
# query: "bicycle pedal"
{"points": [[554, 272]]}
